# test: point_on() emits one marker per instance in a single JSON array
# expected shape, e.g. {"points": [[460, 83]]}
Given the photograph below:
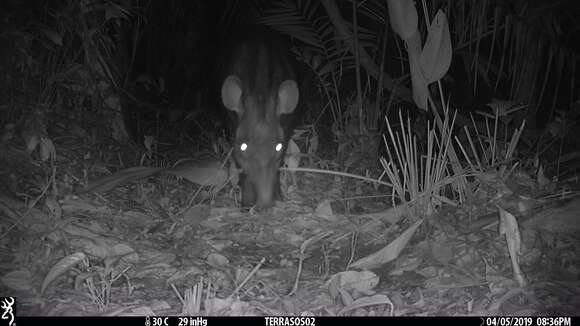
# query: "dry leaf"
{"points": [[388, 253], [62, 266]]}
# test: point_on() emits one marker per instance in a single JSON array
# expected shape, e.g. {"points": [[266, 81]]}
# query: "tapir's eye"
{"points": [[278, 147], [243, 147]]}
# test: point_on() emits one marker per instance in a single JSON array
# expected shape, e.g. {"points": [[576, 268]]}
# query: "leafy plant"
{"points": [[492, 152], [420, 180]]}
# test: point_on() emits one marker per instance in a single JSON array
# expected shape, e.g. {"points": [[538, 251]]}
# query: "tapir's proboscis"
{"points": [[259, 88]]}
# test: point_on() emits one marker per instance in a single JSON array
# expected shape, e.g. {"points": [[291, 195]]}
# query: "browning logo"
{"points": [[7, 306]]}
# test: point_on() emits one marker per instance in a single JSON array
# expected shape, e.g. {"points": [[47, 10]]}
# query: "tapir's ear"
{"points": [[287, 97], [232, 94]]}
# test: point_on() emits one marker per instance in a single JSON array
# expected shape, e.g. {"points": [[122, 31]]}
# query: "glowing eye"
{"points": [[243, 147], [278, 147]]}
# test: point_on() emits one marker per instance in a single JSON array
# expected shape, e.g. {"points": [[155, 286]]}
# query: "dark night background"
{"points": [[162, 58]]}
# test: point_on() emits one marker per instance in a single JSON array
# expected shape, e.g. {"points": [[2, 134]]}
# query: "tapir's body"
{"points": [[260, 86]]}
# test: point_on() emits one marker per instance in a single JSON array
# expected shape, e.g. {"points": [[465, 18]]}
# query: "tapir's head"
{"points": [[259, 139]]}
